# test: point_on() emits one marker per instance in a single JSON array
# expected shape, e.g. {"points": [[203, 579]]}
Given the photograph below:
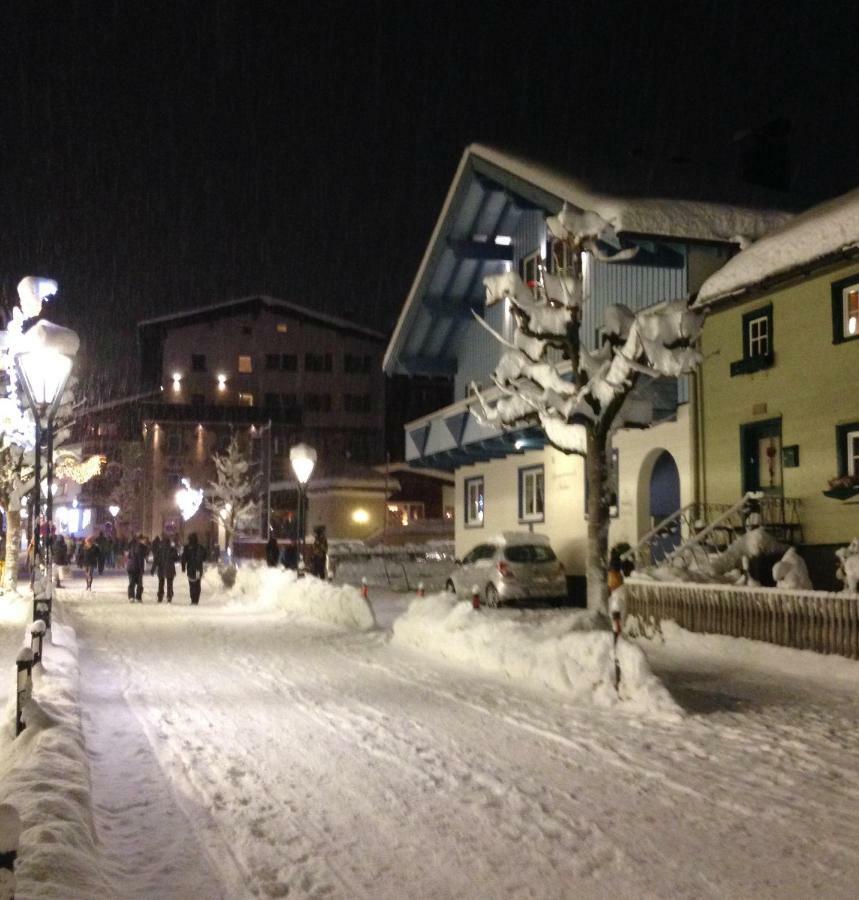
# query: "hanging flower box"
{"points": [[845, 487]]}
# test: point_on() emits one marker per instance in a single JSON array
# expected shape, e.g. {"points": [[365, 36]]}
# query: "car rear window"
{"points": [[529, 553]]}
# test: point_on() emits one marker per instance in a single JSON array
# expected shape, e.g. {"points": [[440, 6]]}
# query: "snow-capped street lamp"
{"points": [[44, 365], [302, 458]]}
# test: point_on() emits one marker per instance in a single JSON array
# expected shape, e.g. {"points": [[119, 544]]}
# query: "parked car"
{"points": [[512, 566]]}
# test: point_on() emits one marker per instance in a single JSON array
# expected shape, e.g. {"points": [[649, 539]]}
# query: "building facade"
{"points": [[494, 220], [272, 372]]}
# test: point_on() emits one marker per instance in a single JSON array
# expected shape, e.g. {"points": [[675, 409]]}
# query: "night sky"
{"points": [[153, 159]]}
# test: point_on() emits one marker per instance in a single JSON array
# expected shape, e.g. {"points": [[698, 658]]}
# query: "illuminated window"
{"points": [[531, 494], [246, 399], [474, 502], [282, 328], [848, 301], [245, 365]]}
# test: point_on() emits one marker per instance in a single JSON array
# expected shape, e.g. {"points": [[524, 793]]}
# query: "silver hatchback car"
{"points": [[512, 566]]}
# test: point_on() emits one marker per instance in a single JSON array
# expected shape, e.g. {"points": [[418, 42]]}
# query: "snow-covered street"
{"points": [[238, 751]]}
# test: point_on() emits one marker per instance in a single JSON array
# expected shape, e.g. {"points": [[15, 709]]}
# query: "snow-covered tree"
{"points": [[233, 495], [547, 377]]}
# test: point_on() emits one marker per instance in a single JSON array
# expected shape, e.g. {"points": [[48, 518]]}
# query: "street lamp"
{"points": [[44, 364], [302, 459]]}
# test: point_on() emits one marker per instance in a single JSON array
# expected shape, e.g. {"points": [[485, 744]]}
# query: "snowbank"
{"points": [[561, 651], [44, 774], [264, 587]]}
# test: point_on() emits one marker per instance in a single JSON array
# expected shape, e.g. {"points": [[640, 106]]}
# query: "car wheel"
{"points": [[450, 587], [491, 595]]}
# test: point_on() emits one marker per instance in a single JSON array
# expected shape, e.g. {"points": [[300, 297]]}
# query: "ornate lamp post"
{"points": [[302, 458], [44, 365]]}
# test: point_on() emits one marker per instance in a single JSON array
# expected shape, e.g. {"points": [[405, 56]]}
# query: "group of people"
{"points": [[317, 551], [164, 557]]}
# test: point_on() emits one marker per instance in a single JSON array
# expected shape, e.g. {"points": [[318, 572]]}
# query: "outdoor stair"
{"points": [[696, 532]]}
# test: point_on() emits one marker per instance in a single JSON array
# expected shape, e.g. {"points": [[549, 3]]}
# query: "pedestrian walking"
{"points": [[156, 546], [193, 559], [272, 552], [165, 558], [101, 543], [135, 566], [319, 552], [61, 558], [89, 557]]}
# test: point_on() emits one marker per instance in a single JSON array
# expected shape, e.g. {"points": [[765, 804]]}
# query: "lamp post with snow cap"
{"points": [[44, 365], [302, 458]]}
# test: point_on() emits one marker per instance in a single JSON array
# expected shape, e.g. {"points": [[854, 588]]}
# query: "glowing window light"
{"points": [[851, 325], [360, 516], [503, 240]]}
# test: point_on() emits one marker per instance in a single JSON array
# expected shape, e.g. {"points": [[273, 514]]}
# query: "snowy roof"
{"points": [[654, 216], [228, 307], [815, 237], [488, 194]]}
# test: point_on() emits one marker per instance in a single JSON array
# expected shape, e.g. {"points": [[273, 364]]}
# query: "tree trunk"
{"points": [[13, 540], [599, 517]]}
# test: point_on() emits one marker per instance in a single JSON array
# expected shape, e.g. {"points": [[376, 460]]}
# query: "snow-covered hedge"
{"points": [[563, 652], [308, 597], [44, 774]]}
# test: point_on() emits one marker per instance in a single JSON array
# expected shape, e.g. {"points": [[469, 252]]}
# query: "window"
{"points": [[289, 401], [271, 401], [272, 362], [356, 403], [560, 256], [317, 362], [474, 502], [198, 362], [531, 494], [847, 439], [245, 365], [529, 268], [481, 551], [845, 310], [317, 402], [757, 342], [246, 399], [282, 328], [246, 329], [356, 364], [289, 362]]}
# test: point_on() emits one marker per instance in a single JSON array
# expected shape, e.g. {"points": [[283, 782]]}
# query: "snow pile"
{"points": [[791, 572], [44, 775], [275, 588], [819, 232], [562, 652], [848, 565]]}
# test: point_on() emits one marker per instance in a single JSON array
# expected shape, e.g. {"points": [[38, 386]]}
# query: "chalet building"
{"points": [[271, 371], [779, 409], [492, 220]]}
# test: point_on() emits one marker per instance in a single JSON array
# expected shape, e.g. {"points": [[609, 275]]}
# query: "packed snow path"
{"points": [[309, 762]]}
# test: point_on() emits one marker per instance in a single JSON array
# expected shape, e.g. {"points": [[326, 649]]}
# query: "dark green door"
{"points": [[760, 446]]}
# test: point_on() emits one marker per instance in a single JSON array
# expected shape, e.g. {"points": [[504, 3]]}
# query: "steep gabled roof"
{"points": [[819, 236], [490, 191], [228, 308]]}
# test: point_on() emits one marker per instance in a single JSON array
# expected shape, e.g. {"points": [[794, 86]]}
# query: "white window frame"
{"points": [[474, 500], [532, 507], [534, 260], [851, 457], [759, 339]]}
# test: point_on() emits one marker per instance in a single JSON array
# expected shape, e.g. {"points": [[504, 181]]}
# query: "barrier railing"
{"points": [[806, 620]]}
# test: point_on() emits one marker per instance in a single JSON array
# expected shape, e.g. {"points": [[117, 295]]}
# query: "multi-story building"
{"points": [[494, 220], [272, 372]]}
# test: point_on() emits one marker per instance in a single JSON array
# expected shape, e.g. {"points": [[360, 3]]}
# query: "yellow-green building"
{"points": [[777, 395]]}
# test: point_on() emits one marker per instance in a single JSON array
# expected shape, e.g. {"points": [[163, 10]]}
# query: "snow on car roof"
{"points": [[506, 538]]}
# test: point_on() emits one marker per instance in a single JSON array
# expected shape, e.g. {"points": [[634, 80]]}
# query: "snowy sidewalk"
{"points": [[334, 764]]}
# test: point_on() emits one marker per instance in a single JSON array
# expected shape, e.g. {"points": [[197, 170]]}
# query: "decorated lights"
{"points": [[302, 458], [188, 500], [43, 362]]}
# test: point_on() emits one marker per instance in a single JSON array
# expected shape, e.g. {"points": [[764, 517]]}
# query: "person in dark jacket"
{"points": [[319, 552], [89, 555], [272, 552], [61, 558], [193, 559], [135, 567], [101, 543], [156, 546], [164, 559]]}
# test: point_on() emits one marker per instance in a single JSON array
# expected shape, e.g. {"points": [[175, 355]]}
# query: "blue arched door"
{"points": [[665, 498]]}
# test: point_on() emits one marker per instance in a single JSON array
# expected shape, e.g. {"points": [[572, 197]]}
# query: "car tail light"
{"points": [[505, 570]]}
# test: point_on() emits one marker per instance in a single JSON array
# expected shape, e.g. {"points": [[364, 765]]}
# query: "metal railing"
{"points": [[806, 620]]}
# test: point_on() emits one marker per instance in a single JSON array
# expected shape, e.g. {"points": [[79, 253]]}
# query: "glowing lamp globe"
{"points": [[44, 364], [113, 509], [302, 458]]}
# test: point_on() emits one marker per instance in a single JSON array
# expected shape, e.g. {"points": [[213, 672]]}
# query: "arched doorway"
{"points": [[664, 498]]}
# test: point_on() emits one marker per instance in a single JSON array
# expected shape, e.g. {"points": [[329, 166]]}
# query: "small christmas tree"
{"points": [[233, 495]]}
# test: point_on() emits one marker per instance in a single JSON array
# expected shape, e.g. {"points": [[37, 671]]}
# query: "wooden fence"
{"points": [[807, 620]]}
